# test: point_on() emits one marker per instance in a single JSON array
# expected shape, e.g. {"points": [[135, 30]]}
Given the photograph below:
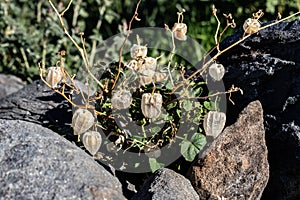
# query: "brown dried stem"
{"points": [[134, 17], [81, 50], [206, 65]]}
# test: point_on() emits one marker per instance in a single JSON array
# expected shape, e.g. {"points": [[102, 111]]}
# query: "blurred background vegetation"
{"points": [[30, 32]]}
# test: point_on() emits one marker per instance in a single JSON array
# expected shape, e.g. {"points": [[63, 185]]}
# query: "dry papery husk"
{"points": [[214, 123], [151, 105], [54, 76], [216, 71], [179, 31], [121, 99], [82, 121], [92, 141], [251, 26], [138, 51]]}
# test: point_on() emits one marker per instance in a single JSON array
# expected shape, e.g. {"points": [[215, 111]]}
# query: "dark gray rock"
{"points": [[38, 104], [166, 184], [235, 166], [36, 163], [267, 67], [9, 84]]}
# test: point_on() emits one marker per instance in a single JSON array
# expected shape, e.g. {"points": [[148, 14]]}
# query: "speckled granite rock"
{"points": [[267, 67], [36, 163], [166, 184], [235, 166], [9, 84]]}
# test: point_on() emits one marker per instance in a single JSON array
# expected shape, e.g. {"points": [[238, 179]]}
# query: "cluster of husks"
{"points": [[146, 68], [82, 121]]}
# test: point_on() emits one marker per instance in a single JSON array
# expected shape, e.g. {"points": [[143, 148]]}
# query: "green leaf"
{"points": [[154, 165], [207, 105], [187, 105], [189, 149]]}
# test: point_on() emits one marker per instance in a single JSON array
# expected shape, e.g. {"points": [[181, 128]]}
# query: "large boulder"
{"points": [[235, 166], [36, 163], [267, 67]]}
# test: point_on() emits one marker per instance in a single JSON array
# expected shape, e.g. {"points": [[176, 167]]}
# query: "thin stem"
{"points": [[82, 52], [134, 17], [218, 27], [25, 58]]}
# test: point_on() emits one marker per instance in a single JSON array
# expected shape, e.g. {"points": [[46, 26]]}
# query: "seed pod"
{"points": [[92, 141], [149, 63], [82, 121], [216, 71], [133, 64], [138, 51], [54, 76], [121, 99], [251, 26], [151, 105], [146, 76], [214, 123], [179, 31], [160, 76]]}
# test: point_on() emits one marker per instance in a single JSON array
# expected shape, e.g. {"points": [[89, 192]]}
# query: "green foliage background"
{"points": [[30, 32]]}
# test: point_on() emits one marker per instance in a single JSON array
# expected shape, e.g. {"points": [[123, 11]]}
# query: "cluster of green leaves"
{"points": [[30, 32]]}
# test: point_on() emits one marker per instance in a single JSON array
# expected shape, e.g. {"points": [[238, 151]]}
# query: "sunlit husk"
{"points": [[82, 121], [92, 141], [216, 71], [54, 76], [251, 26], [149, 63], [121, 99], [138, 51], [151, 105], [146, 76], [214, 123], [179, 31]]}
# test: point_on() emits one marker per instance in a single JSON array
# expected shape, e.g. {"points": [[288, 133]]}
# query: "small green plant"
{"points": [[148, 105]]}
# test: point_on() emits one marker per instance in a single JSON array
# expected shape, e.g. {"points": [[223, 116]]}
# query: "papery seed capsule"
{"points": [[179, 31], [121, 99], [160, 76], [146, 76], [214, 123], [133, 64], [151, 105], [54, 76], [92, 141], [251, 26], [216, 71], [138, 51], [149, 63], [82, 121]]}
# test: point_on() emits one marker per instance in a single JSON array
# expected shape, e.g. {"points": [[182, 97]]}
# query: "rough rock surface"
{"points": [[38, 104], [166, 184], [36, 163], [267, 67], [235, 166], [9, 84]]}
